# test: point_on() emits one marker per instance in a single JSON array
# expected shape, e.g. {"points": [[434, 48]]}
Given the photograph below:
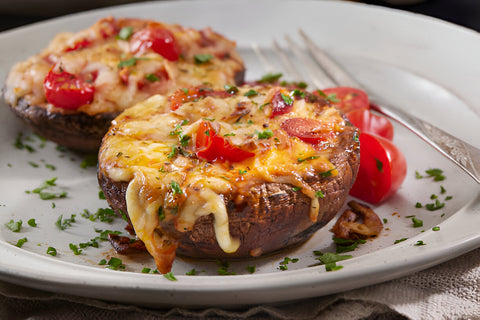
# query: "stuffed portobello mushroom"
{"points": [[238, 172], [70, 92]]}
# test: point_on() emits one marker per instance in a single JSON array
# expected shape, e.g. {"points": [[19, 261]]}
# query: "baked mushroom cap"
{"points": [[113, 64], [233, 173]]}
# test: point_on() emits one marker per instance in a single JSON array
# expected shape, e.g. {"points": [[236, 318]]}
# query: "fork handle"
{"points": [[461, 153]]}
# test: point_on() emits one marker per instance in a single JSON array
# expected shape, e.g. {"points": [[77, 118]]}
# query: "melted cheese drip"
{"points": [[204, 203]]}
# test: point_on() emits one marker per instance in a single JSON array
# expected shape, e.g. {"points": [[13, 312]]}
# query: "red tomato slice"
{"points": [[212, 147], [308, 130], [281, 103], [368, 122], [382, 169], [347, 99], [67, 91], [159, 40]]}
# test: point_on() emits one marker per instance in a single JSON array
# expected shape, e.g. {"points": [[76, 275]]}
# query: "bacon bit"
{"points": [[358, 223], [124, 245]]}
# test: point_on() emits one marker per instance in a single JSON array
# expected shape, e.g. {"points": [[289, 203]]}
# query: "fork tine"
{"points": [[287, 63], [319, 78], [334, 70], [263, 59]]}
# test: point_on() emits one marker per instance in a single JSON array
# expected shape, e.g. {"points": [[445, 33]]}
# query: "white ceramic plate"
{"points": [[427, 66]]}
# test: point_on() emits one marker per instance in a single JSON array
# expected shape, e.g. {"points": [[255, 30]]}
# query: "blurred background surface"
{"points": [[14, 13]]}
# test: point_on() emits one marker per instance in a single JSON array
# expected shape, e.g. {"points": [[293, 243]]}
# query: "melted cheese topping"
{"points": [[144, 147], [99, 54]]}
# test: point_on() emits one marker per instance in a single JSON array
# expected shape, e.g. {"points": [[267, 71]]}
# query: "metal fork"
{"points": [[324, 72]]}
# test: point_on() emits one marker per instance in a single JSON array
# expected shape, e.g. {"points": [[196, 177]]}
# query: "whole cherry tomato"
{"points": [[159, 40], [382, 169], [212, 147], [66, 90], [368, 122]]}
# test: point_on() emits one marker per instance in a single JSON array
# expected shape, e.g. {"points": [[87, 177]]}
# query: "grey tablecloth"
{"points": [[448, 291]]}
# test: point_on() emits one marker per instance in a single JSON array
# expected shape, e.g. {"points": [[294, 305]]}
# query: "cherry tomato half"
{"points": [[211, 147], [368, 122], [308, 130], [347, 98], [160, 40], [382, 169], [66, 90]]}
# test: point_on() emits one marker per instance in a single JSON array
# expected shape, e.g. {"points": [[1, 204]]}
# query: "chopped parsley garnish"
{"points": [[300, 160], [230, 89], [379, 165], [161, 214], [101, 195], [52, 251], [331, 97], [113, 264], [287, 99], [223, 268], [170, 276], [152, 77], [437, 174], [436, 228], [417, 223], [284, 263], [33, 164], [346, 245], [319, 194], [63, 224], [75, 249], [296, 189], [130, 62], [419, 243], [125, 33], [265, 134], [176, 188], [102, 214], [251, 93], [270, 78], [298, 93], [90, 160], [32, 223], [202, 58], [191, 272], [48, 184], [251, 269], [104, 234], [19, 144], [20, 242], [242, 171], [399, 240], [327, 174], [14, 226], [437, 205], [330, 260]]}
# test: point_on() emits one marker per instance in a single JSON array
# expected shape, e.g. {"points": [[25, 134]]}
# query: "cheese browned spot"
{"points": [[156, 153]]}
